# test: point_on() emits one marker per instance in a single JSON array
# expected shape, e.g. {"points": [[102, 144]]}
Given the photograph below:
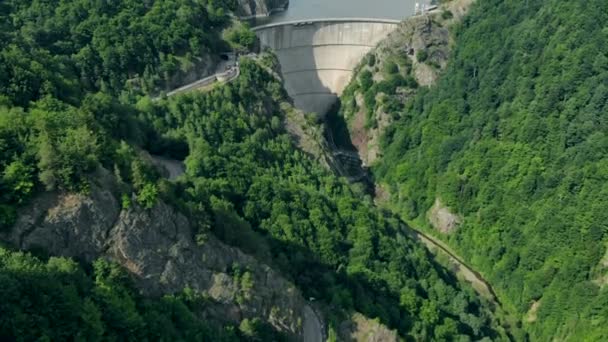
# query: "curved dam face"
{"points": [[318, 57]]}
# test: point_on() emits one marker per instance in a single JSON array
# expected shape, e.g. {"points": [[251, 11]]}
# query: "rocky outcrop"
{"points": [[201, 67], [420, 34], [158, 248], [362, 329], [442, 219], [249, 9], [421, 47]]}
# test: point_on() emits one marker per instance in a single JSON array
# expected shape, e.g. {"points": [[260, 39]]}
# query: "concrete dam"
{"points": [[318, 57]]}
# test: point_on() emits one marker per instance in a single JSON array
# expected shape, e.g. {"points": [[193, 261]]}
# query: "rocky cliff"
{"points": [[156, 246], [414, 54], [248, 9]]}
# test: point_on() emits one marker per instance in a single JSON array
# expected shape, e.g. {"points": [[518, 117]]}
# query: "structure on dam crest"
{"points": [[318, 57]]}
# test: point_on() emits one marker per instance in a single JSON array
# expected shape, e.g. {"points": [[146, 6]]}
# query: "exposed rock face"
{"points": [[362, 329], [260, 8], [203, 66], [532, 314], [442, 219], [413, 35], [427, 36], [157, 247]]}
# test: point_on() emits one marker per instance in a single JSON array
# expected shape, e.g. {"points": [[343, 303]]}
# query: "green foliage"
{"points": [[422, 56], [67, 146], [513, 138], [240, 37], [56, 300], [256, 330], [390, 85], [259, 192], [18, 182], [370, 99], [366, 79], [147, 196], [71, 73], [8, 216], [371, 60], [62, 66], [386, 95], [125, 201], [390, 68], [60, 48]]}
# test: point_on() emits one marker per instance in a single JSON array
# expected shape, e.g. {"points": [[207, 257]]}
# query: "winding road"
{"points": [[313, 328], [223, 77]]}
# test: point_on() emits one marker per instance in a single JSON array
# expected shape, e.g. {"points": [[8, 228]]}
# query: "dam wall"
{"points": [[318, 57]]}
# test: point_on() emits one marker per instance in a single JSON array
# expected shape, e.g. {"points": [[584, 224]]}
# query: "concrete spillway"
{"points": [[318, 56]]}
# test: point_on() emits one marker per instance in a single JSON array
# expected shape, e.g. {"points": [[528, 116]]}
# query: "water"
{"points": [[320, 9]]}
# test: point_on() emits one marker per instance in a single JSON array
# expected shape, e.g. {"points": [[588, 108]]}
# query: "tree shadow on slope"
{"points": [[374, 297], [345, 153], [337, 129], [416, 307]]}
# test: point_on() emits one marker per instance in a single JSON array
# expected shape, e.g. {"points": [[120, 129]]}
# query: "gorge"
{"points": [[341, 171]]}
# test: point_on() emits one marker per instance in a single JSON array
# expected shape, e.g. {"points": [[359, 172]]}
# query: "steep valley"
{"points": [[493, 159], [454, 192]]}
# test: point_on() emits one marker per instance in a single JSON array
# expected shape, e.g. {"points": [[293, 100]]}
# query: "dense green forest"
{"points": [[57, 300], [72, 76], [69, 73], [513, 139], [67, 48], [249, 185]]}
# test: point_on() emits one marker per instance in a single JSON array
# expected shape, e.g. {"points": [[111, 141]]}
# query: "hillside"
{"points": [[243, 246], [411, 57], [504, 158], [252, 189]]}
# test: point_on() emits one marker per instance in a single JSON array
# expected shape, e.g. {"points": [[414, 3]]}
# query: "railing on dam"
{"points": [[327, 20]]}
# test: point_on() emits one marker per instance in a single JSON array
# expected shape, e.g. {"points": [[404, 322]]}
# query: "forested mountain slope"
{"points": [[58, 300], [513, 140], [391, 74], [64, 48], [72, 84], [247, 184]]}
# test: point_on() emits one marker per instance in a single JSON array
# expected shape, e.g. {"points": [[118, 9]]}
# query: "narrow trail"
{"points": [[456, 263], [479, 283], [462, 270]]}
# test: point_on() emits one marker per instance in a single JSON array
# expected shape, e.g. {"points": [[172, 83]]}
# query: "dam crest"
{"points": [[318, 56]]}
